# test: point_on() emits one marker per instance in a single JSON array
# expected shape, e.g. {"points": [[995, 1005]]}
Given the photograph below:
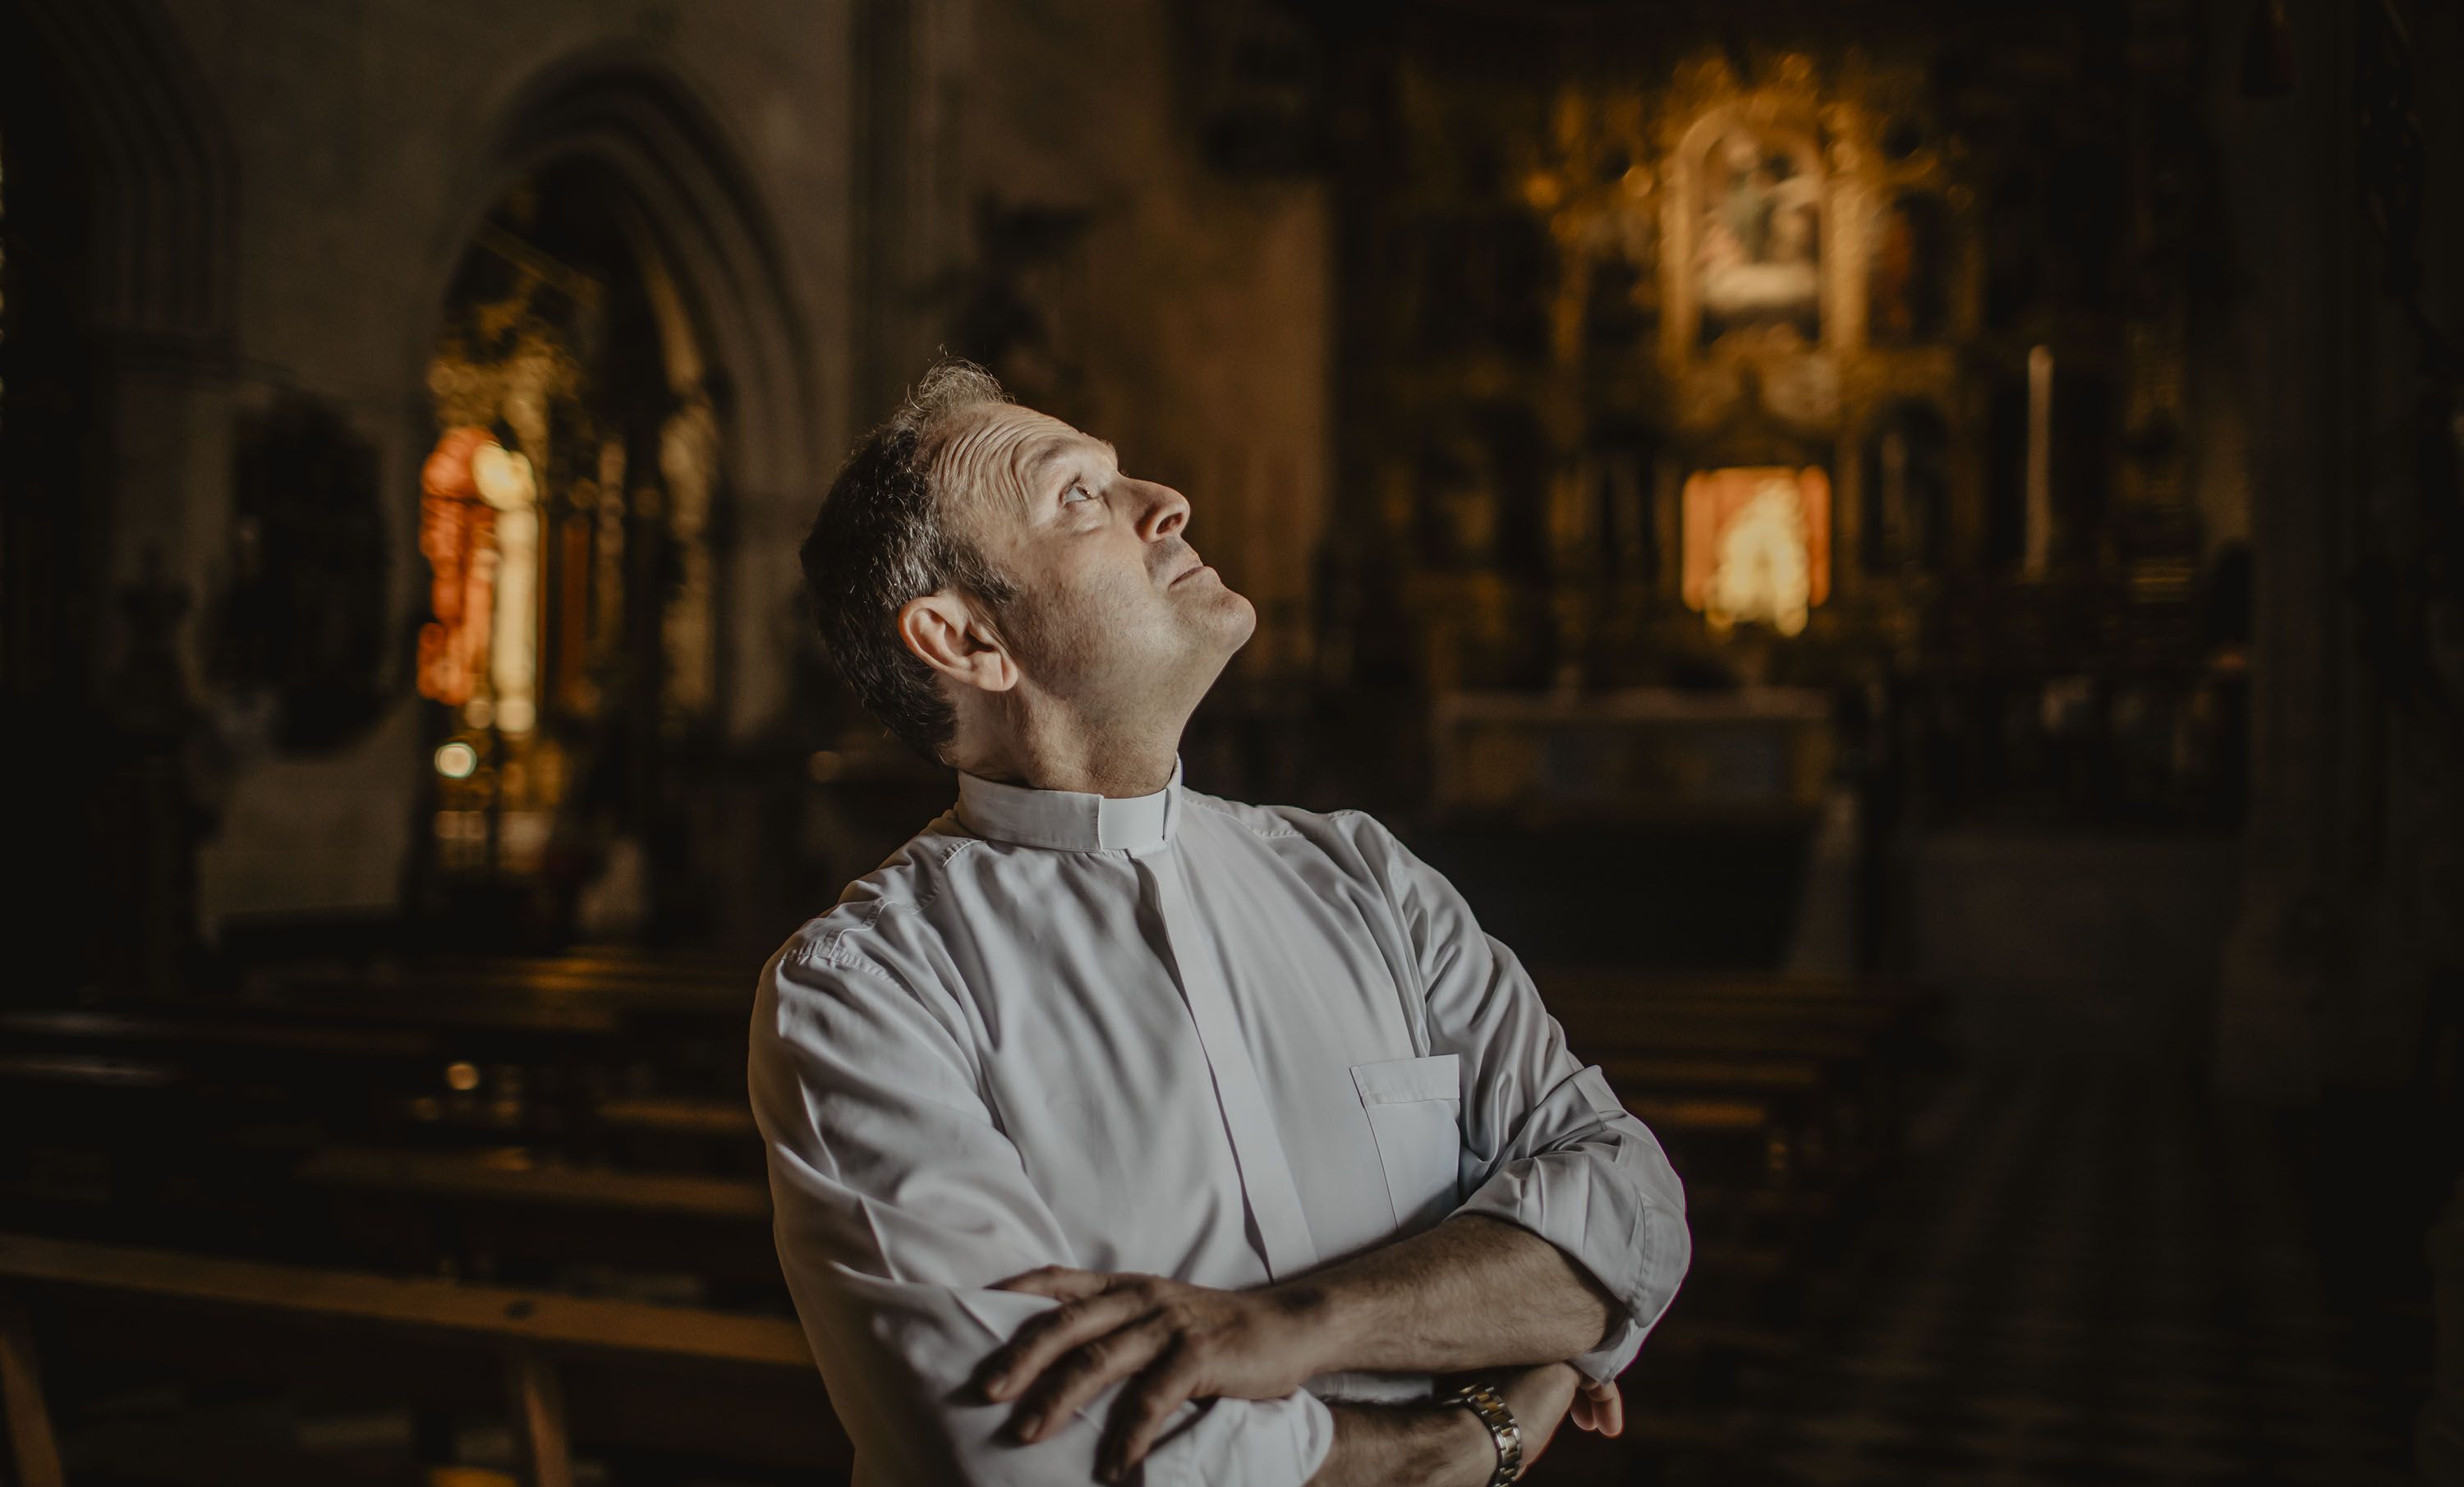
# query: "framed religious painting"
{"points": [[1750, 215]]}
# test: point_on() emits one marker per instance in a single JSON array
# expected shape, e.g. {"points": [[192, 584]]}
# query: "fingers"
{"points": [[1599, 1407], [1606, 1405], [1041, 1339], [1058, 1281], [1139, 1413], [1086, 1372]]}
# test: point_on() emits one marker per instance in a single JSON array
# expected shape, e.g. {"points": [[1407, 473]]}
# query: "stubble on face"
{"points": [[1096, 621]]}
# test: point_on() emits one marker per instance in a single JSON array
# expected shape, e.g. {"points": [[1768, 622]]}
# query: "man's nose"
{"points": [[1167, 512]]}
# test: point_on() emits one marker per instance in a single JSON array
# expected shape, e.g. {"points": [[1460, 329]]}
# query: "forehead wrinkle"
{"points": [[1013, 454], [976, 450], [1055, 447], [1037, 466]]}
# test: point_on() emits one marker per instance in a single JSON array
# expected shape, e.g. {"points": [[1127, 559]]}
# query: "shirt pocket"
{"points": [[1414, 1110]]}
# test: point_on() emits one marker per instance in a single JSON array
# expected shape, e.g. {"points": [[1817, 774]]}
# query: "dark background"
{"points": [[2027, 907]]}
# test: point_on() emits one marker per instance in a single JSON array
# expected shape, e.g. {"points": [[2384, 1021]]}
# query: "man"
{"points": [[1117, 1128]]}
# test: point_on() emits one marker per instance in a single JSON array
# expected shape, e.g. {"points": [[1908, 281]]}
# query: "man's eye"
{"points": [[1079, 489]]}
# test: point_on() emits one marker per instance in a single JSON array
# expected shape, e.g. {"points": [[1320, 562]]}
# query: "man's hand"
{"points": [[1599, 1407], [1440, 1444], [1179, 1341], [1541, 1399]]}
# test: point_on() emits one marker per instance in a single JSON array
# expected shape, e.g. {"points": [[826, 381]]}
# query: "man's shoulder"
{"points": [[872, 966], [880, 921], [1358, 844], [1344, 829]]}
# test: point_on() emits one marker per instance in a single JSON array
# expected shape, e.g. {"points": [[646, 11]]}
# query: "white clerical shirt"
{"points": [[1168, 1034]]}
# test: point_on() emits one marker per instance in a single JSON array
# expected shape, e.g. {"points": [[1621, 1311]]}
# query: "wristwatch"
{"points": [[1484, 1402]]}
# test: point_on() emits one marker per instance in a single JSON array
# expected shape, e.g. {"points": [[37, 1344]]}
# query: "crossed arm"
{"points": [[1472, 1293], [898, 1194], [878, 1241]]}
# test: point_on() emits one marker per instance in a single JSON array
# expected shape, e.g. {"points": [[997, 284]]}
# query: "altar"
{"points": [[1633, 756]]}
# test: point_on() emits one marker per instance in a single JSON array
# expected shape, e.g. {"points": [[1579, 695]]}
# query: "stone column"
{"points": [[2287, 180]]}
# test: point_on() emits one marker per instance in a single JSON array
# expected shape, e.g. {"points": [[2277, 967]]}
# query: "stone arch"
{"points": [[704, 217], [163, 185]]}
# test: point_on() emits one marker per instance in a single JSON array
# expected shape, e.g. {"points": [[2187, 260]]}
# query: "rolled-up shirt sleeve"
{"points": [[898, 1202], [1547, 1142]]}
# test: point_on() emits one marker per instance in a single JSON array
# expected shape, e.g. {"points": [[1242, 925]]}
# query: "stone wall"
{"points": [[1183, 310], [827, 165]]}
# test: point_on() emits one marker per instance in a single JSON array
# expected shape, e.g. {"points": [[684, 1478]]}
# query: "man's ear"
{"points": [[944, 628]]}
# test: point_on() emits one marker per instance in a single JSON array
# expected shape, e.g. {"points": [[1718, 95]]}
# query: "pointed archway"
{"points": [[700, 210], [620, 437]]}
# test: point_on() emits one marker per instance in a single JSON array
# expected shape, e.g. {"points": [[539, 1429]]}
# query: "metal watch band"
{"points": [[1503, 1429]]}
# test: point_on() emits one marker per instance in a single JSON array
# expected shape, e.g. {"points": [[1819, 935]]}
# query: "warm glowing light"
{"points": [[456, 760], [479, 527], [504, 482], [456, 535], [1757, 545], [503, 477], [512, 652], [462, 1077], [1761, 573]]}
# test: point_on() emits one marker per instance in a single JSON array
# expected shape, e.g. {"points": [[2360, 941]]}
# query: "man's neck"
{"points": [[1097, 761]]}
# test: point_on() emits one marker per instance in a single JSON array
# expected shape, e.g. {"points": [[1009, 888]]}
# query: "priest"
{"points": [[1117, 1131]]}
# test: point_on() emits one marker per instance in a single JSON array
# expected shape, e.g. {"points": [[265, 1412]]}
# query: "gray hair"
{"points": [[883, 538]]}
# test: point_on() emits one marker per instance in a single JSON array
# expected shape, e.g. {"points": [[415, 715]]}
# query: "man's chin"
{"points": [[1217, 643], [1239, 628]]}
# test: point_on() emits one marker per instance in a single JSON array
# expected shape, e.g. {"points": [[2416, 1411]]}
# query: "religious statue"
{"points": [[478, 529], [458, 536]]}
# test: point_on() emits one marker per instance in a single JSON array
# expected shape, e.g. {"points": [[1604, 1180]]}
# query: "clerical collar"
{"points": [[1069, 820]]}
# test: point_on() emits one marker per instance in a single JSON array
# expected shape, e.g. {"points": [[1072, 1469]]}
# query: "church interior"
{"points": [[1906, 557]]}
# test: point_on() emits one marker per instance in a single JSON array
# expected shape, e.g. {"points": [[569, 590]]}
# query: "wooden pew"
{"points": [[1778, 1098], [1758, 1083], [506, 1208], [1869, 1038], [682, 1027], [256, 1056], [568, 1370], [137, 1126], [544, 983], [358, 1073]]}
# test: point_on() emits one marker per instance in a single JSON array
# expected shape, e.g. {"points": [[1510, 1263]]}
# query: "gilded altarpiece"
{"points": [[1712, 273], [566, 515], [1744, 369]]}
